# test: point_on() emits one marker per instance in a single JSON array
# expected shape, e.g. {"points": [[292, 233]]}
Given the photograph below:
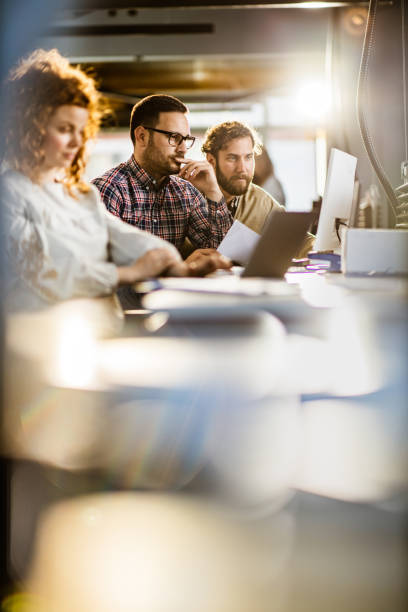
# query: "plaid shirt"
{"points": [[174, 211]]}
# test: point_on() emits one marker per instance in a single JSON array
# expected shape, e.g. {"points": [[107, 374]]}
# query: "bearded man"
{"points": [[231, 148]]}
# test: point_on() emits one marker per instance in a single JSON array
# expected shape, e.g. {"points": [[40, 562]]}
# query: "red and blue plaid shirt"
{"points": [[174, 211]]}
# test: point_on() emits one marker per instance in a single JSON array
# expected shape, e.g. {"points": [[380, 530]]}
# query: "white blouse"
{"points": [[58, 247]]}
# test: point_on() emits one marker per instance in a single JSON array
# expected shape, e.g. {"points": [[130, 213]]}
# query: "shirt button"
{"points": [[147, 187], [154, 220]]}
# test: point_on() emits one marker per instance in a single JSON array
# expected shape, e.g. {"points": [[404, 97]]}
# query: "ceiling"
{"points": [[226, 52]]}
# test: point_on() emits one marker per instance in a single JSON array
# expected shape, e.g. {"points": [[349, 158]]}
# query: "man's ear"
{"points": [[141, 136], [211, 159]]}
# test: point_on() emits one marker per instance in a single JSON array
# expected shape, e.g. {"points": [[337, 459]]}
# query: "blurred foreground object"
{"points": [[156, 553], [46, 422]]}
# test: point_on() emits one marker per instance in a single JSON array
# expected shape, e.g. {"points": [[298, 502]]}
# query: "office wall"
{"points": [[384, 111]]}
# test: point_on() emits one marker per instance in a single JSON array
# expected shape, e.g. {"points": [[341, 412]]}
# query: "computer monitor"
{"points": [[337, 200]]}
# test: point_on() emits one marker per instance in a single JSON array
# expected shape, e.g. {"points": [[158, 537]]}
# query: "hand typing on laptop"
{"points": [[200, 263], [199, 255]]}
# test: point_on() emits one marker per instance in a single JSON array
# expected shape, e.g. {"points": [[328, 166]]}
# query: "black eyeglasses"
{"points": [[175, 139]]}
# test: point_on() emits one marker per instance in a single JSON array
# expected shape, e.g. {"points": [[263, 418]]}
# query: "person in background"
{"points": [[231, 148], [264, 176], [59, 240], [159, 189]]}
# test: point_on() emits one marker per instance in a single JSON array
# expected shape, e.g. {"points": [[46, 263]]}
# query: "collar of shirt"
{"points": [[232, 206], [145, 179]]}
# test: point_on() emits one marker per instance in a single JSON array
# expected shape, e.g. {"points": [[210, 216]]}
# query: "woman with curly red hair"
{"points": [[60, 240]]}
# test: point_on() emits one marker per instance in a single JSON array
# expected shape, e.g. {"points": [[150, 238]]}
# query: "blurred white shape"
{"points": [[50, 364], [150, 362], [347, 361], [318, 293], [347, 453], [313, 100], [34, 335], [248, 352], [353, 353], [309, 366], [76, 350], [316, 5], [156, 553], [62, 427], [159, 443], [255, 456]]}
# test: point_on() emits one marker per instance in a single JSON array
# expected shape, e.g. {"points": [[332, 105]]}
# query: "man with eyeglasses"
{"points": [[162, 191]]}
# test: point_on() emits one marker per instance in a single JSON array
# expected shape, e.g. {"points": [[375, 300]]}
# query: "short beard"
{"points": [[229, 185], [155, 164]]}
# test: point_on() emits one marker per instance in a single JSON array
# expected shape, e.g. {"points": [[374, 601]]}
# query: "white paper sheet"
{"points": [[238, 243]]}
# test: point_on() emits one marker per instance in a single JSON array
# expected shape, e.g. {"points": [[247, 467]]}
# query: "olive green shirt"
{"points": [[252, 209]]}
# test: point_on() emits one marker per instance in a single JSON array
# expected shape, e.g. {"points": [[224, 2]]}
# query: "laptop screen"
{"points": [[281, 239]]}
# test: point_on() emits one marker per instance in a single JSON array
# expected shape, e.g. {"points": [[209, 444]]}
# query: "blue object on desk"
{"points": [[330, 261]]}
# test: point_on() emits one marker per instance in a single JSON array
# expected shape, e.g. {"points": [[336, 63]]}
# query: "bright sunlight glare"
{"points": [[76, 352], [313, 100]]}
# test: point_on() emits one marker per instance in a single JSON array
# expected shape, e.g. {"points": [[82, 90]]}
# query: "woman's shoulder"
{"points": [[91, 198], [16, 189], [90, 203], [12, 180], [87, 196]]}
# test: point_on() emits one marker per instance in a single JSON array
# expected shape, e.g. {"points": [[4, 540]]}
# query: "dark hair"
{"points": [[220, 135], [34, 89], [148, 109]]}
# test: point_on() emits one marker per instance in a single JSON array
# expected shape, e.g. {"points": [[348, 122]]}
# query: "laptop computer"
{"points": [[232, 295], [280, 241]]}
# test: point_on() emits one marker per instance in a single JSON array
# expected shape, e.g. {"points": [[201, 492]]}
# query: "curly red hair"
{"points": [[34, 89]]}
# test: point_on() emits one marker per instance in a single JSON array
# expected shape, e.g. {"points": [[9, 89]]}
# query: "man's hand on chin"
{"points": [[200, 174]]}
